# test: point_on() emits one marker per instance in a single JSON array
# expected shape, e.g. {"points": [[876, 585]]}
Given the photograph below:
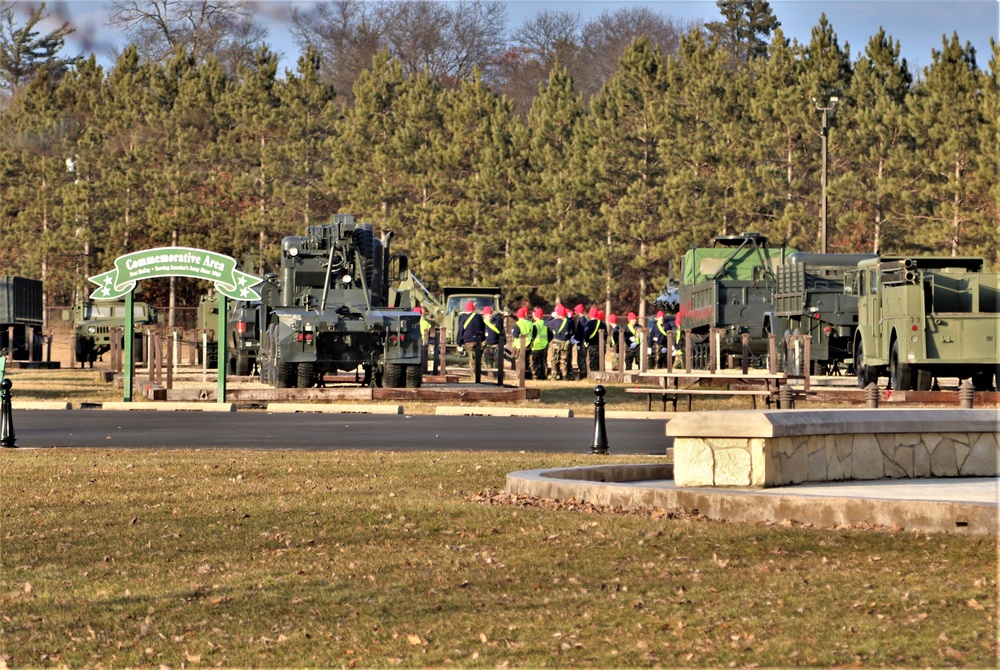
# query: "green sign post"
{"points": [[174, 262]]}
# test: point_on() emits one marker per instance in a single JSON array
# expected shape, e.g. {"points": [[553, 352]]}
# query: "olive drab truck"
{"points": [[925, 317], [21, 318], [328, 309], [729, 286], [93, 321], [809, 299]]}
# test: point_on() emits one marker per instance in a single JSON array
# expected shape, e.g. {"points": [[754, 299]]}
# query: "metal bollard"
{"points": [[871, 395], [786, 399], [7, 437], [966, 394], [599, 445]]}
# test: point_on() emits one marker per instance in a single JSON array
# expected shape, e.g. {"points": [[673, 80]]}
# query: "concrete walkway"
{"points": [[967, 505]]}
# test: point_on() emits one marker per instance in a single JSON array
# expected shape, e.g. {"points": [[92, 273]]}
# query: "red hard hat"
{"points": [[487, 310], [560, 310], [593, 313], [522, 312], [660, 315], [418, 310], [538, 312], [632, 316], [470, 306], [600, 315], [578, 309], [613, 320]]}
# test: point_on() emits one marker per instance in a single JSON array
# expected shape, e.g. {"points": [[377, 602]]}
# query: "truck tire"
{"points": [[900, 374], [287, 374], [393, 377], [414, 376], [982, 380], [865, 374], [306, 375], [923, 381], [364, 238], [242, 364]]}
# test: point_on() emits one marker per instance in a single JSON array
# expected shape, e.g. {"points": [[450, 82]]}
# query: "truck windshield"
{"points": [[457, 303]]}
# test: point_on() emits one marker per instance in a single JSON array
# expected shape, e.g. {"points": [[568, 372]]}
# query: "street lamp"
{"points": [[827, 113]]}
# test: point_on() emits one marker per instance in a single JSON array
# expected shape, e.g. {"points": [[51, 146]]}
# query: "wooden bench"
{"points": [[673, 394]]}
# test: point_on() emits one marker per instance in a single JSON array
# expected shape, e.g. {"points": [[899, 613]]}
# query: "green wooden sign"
{"points": [[175, 262]]}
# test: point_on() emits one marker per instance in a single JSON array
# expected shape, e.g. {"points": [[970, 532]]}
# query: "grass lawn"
{"points": [[195, 558]]}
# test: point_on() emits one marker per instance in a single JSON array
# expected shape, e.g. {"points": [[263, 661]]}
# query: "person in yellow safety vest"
{"points": [[523, 327], [631, 342], [494, 334], [659, 342], [560, 348], [594, 326], [611, 344], [539, 344], [425, 325], [470, 332]]}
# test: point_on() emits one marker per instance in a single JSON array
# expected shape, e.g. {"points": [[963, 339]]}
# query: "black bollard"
{"points": [[600, 442], [7, 438]]}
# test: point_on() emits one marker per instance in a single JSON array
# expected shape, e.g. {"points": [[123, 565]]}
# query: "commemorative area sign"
{"points": [[175, 262]]}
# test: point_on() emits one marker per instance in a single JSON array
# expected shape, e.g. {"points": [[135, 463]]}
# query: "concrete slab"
{"points": [[963, 506], [38, 404], [326, 408], [168, 406], [470, 410]]}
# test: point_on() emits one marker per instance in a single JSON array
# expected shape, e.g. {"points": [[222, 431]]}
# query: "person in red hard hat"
{"points": [[631, 331], [491, 344], [579, 327], [471, 332], [561, 327], [523, 327], [659, 342], [614, 332], [592, 339], [539, 345], [425, 325]]}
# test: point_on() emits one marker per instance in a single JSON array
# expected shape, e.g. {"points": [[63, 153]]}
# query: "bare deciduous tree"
{"points": [[226, 29], [448, 40], [24, 50]]}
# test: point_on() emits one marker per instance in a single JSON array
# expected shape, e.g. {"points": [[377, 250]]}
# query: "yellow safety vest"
{"points": [[541, 340]]}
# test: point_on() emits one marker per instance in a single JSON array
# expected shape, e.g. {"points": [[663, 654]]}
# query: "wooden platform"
{"points": [[429, 393]]}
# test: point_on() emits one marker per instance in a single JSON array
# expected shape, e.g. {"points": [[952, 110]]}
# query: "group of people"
{"points": [[566, 343]]}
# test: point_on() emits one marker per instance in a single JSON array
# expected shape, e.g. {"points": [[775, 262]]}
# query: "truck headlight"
{"points": [[91, 329]]}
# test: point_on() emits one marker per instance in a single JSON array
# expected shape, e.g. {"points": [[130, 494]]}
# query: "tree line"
{"points": [[583, 193]]}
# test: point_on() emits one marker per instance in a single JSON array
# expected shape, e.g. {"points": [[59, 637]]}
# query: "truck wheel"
{"points": [[393, 377], [364, 239], [861, 369], [982, 380], [242, 364], [923, 381], [900, 374], [306, 375], [287, 375], [414, 376]]}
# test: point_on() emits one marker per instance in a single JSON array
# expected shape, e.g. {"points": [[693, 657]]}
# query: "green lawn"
{"points": [[198, 558]]}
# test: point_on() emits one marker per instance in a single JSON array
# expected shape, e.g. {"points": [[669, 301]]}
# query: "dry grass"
{"points": [[284, 559]]}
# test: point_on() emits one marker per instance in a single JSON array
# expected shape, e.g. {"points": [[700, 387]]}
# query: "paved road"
{"points": [[259, 430]]}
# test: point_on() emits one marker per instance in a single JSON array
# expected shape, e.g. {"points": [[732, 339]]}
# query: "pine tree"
{"points": [[865, 194], [24, 50], [626, 167], [746, 30], [950, 200]]}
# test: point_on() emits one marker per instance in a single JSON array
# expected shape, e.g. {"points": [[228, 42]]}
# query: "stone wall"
{"points": [[772, 448]]}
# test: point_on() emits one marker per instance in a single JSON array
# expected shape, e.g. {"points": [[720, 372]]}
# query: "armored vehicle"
{"points": [[730, 286], [21, 318], [925, 317], [93, 321], [809, 299], [327, 310]]}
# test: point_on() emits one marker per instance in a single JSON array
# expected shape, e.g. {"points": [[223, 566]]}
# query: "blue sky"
{"points": [[917, 24]]}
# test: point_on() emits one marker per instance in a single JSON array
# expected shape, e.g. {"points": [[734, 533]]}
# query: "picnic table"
{"points": [[674, 385]]}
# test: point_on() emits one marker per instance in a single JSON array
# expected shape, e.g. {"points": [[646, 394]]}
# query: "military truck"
{"points": [[444, 312], [93, 321], [328, 310], [809, 299], [730, 286], [21, 311], [921, 317]]}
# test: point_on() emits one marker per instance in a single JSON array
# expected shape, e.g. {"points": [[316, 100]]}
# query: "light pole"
{"points": [[824, 133]]}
